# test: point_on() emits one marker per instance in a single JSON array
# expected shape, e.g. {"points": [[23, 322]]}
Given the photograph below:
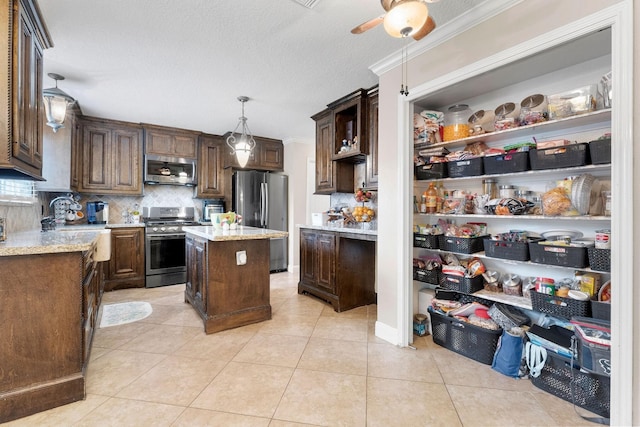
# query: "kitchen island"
{"points": [[228, 275]]}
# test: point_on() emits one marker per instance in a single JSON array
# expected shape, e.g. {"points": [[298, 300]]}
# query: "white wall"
{"points": [[296, 155]]}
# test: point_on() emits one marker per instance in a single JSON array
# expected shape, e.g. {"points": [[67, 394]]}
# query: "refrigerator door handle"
{"points": [[262, 204], [266, 204]]}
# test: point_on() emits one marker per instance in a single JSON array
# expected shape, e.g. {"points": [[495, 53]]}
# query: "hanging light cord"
{"points": [[404, 85]]}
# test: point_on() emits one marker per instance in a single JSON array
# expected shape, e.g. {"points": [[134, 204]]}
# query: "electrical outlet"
{"points": [[241, 257]]}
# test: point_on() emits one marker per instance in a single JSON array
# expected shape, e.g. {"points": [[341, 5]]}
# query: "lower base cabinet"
{"points": [[126, 267], [337, 269], [49, 312]]}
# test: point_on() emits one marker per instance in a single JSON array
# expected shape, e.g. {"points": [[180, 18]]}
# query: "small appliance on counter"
{"points": [[97, 212], [210, 207]]}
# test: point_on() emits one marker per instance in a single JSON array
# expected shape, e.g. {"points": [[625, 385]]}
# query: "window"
{"points": [[14, 191]]}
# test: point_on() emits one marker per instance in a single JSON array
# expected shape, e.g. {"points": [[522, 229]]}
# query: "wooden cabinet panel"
{"points": [[325, 250], [331, 176], [22, 115], [211, 167], [271, 155], [195, 288], [372, 134], [126, 267], [172, 142], [109, 156], [339, 270]]}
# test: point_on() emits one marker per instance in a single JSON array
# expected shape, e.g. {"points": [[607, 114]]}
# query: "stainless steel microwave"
{"points": [[169, 170]]}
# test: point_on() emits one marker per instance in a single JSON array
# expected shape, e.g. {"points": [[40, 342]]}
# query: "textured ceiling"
{"points": [[183, 63]]}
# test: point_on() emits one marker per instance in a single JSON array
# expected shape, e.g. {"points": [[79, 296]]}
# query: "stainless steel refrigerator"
{"points": [[261, 199]]}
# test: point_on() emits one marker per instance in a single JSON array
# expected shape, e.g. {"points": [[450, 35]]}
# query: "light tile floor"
{"points": [[307, 366]]}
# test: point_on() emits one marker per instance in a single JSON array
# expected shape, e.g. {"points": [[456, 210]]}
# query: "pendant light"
{"points": [[55, 103], [243, 145]]}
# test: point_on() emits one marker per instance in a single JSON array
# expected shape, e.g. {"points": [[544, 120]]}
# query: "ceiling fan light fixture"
{"points": [[406, 18], [243, 145]]}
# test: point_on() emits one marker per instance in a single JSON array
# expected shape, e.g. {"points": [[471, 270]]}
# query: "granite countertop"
{"points": [[38, 242], [242, 233], [348, 232]]}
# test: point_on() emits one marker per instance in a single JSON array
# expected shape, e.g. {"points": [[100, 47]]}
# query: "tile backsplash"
{"points": [[154, 195]]}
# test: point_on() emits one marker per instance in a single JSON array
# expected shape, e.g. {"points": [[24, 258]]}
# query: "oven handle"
{"points": [[162, 236]]}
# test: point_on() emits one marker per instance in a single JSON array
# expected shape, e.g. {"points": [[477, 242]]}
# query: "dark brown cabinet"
{"points": [[171, 142], [126, 268], [49, 312], [22, 112], [350, 140], [195, 289], [338, 268], [331, 176], [211, 167], [268, 155], [372, 134], [107, 157]]}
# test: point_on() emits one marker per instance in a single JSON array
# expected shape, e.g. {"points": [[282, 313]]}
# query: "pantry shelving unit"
{"points": [[567, 57]]}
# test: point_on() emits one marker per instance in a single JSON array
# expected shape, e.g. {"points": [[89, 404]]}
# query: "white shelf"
{"points": [[510, 261], [520, 217], [598, 116]]}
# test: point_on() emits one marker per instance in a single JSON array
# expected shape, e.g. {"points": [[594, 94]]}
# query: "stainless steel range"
{"points": [[165, 244]]}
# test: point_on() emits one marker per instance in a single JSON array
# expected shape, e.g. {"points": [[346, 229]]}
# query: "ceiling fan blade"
{"points": [[365, 26], [426, 29]]}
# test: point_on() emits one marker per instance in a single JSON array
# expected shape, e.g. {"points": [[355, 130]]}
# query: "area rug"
{"points": [[126, 312]]}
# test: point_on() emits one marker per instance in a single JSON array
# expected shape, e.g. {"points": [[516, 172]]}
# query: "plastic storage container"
{"points": [[456, 122], [566, 156]]}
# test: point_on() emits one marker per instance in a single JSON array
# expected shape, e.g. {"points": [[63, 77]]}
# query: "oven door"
{"points": [[165, 259]]}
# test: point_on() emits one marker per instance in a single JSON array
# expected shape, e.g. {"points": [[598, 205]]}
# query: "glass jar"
{"points": [[507, 191], [456, 122]]}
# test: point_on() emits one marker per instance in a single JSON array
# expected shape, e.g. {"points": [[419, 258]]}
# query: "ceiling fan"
{"points": [[402, 18]]}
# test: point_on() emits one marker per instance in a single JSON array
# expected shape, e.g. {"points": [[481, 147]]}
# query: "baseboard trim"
{"points": [[386, 332]]}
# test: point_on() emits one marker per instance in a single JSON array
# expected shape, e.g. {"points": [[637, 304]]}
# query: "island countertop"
{"points": [[346, 232], [241, 233]]}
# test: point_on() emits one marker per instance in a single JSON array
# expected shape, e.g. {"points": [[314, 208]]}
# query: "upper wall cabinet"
{"points": [[171, 142], [372, 133], [22, 113], [211, 167], [107, 157], [331, 176], [268, 155], [350, 126]]}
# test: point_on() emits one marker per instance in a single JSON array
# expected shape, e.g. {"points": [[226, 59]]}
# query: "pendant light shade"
{"points": [[243, 144], [55, 104], [406, 18]]}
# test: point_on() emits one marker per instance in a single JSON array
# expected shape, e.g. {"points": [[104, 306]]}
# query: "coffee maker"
{"points": [[97, 212]]}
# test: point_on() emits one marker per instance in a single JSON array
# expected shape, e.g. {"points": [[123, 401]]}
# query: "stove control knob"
{"points": [[163, 229], [155, 228]]}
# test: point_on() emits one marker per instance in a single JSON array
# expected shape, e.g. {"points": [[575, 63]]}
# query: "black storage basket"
{"points": [[427, 241], [589, 391], [599, 259], [506, 163], [565, 156], [469, 340], [565, 256], [601, 310], [517, 251], [431, 171], [461, 297], [467, 285], [427, 276], [463, 245], [560, 306], [468, 167], [600, 151]]}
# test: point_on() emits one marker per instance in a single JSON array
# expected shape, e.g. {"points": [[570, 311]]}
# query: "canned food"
{"points": [[603, 239]]}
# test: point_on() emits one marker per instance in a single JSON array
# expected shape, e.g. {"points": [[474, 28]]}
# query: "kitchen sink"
{"points": [[103, 245]]}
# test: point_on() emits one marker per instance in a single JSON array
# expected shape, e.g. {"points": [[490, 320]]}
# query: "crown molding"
{"points": [[472, 17]]}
